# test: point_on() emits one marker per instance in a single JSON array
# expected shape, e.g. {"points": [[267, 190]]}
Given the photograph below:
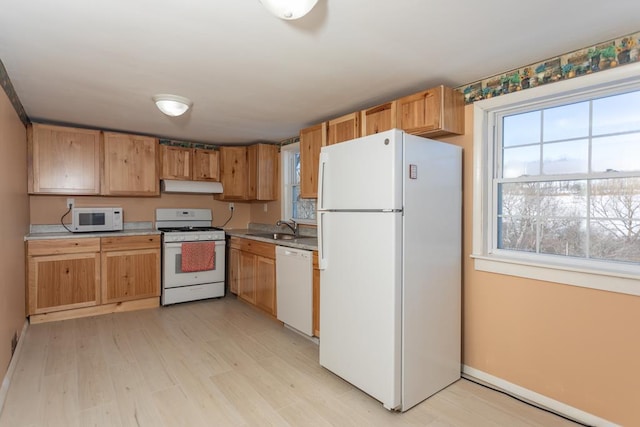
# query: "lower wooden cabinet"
{"points": [[252, 272], [62, 277], [130, 268], [69, 278]]}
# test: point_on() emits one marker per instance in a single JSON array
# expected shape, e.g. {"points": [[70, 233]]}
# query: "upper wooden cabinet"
{"points": [[233, 173], [176, 162], [312, 139], [130, 165], [63, 160], [378, 119], [263, 172], [206, 165], [432, 112], [191, 164], [343, 128], [249, 173]]}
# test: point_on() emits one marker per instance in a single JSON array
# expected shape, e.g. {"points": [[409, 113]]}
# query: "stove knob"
{"points": [[196, 237], [181, 238], [208, 237]]}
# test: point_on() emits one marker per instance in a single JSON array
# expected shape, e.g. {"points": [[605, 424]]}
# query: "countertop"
{"points": [[43, 232], [303, 242]]}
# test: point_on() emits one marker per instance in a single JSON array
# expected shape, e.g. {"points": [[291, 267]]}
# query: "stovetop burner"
{"points": [[174, 229]]}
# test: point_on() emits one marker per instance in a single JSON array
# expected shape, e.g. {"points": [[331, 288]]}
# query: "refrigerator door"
{"points": [[362, 174], [360, 310]]}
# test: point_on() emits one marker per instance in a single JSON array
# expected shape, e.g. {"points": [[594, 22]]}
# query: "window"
{"points": [[293, 207], [559, 182]]}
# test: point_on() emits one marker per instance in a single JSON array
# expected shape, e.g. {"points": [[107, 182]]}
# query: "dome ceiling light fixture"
{"points": [[289, 9], [172, 105]]}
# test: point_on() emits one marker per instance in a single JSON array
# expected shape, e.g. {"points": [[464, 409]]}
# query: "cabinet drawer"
{"points": [[267, 250], [130, 242], [62, 246]]}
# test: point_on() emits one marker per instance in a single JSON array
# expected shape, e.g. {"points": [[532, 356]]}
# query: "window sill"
{"points": [[620, 282]]}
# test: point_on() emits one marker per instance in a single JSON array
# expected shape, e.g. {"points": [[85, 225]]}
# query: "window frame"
{"points": [[286, 206], [588, 273]]}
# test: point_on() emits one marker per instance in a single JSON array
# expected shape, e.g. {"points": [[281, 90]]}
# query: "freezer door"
{"points": [[362, 174], [360, 294]]}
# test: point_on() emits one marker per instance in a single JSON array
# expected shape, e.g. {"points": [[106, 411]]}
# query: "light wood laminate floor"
{"points": [[213, 363]]}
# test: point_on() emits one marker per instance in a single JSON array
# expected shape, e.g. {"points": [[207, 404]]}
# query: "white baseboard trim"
{"points": [[534, 398], [12, 365]]}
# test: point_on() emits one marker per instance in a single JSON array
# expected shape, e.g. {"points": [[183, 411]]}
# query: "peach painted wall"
{"points": [[272, 214], [49, 209], [14, 224], [575, 345]]}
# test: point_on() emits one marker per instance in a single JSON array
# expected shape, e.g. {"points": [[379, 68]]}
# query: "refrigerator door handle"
{"points": [[324, 158], [322, 253]]}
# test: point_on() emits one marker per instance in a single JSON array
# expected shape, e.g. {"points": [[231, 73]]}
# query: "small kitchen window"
{"points": [[294, 207], [558, 182]]}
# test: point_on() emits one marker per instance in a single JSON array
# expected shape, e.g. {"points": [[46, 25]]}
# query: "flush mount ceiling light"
{"points": [[172, 105], [289, 9]]}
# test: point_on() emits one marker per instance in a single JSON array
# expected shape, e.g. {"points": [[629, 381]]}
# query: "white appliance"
{"points": [[294, 288], [96, 219], [389, 237], [180, 226]]}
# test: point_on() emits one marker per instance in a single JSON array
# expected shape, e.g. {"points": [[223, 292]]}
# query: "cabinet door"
{"points": [[379, 118], [343, 128], [63, 160], [130, 267], [312, 139], [263, 172], [130, 165], [246, 282], [234, 270], [205, 165], [265, 287], [129, 275], [62, 282], [176, 162], [233, 173]]}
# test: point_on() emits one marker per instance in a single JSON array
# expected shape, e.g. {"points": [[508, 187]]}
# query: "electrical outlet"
{"points": [[71, 203], [231, 206]]}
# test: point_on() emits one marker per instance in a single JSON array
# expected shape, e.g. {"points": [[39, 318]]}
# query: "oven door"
{"points": [[173, 276]]}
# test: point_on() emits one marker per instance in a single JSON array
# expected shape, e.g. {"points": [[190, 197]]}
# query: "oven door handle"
{"points": [[179, 244]]}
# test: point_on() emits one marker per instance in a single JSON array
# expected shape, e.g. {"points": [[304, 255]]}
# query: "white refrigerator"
{"points": [[389, 238]]}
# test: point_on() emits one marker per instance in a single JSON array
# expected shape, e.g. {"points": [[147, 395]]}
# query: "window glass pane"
{"points": [[521, 129], [616, 153], [517, 212], [565, 157], [617, 113], [617, 198], [615, 240], [521, 161], [517, 234], [566, 121], [563, 199], [563, 237], [296, 168]]}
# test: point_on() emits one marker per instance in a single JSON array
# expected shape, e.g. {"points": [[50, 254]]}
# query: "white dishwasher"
{"points": [[294, 288]]}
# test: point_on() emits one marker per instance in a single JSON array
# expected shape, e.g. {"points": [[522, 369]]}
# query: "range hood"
{"points": [[202, 187]]}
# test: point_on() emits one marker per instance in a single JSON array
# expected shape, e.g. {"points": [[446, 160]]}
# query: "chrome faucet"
{"points": [[293, 227]]}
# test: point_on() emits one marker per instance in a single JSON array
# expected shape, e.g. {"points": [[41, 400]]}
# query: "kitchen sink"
{"points": [[274, 236]]}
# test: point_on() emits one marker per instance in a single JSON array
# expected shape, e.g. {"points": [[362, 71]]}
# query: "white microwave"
{"points": [[96, 219]]}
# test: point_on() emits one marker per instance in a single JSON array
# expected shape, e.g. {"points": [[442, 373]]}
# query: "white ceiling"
{"points": [[254, 77]]}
